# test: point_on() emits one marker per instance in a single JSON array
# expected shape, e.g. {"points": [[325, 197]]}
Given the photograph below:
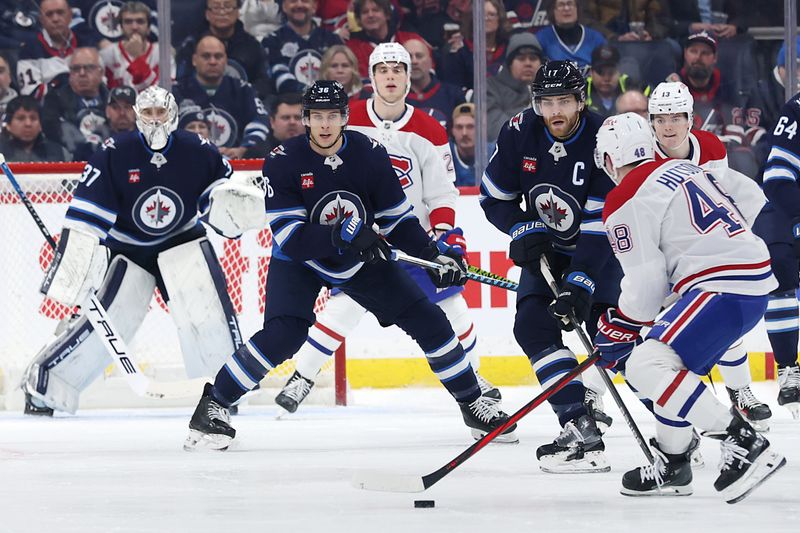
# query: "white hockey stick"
{"points": [[99, 319]]}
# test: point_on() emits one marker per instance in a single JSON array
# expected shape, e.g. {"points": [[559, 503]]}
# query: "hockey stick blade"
{"points": [[475, 274], [389, 482]]}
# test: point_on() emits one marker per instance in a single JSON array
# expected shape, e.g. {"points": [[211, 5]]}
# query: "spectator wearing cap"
{"points": [[22, 138], [458, 64], [285, 122], [378, 25], [193, 119], [462, 144], [133, 60], [295, 50], [73, 112], [428, 93], [120, 117], [771, 92], [246, 58], [7, 92], [633, 101], [725, 18], [565, 38], [508, 93], [238, 117], [628, 20], [719, 106], [605, 82]]}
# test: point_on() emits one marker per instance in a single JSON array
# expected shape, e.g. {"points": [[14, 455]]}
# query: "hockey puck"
{"points": [[423, 503]]}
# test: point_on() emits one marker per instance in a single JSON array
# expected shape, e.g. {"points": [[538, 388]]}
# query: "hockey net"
{"points": [[28, 320]]}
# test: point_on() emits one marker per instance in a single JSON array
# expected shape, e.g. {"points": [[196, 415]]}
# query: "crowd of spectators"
{"points": [[70, 69]]}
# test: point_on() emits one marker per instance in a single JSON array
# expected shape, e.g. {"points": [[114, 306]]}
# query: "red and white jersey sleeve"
{"points": [[708, 152], [420, 155], [138, 73], [673, 229]]}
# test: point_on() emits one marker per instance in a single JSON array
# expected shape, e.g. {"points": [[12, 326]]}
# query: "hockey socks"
{"points": [[240, 374], [549, 365], [452, 366], [782, 323]]}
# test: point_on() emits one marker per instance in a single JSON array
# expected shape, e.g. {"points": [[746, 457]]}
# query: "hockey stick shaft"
{"points": [[97, 315], [400, 483], [587, 344], [475, 275]]}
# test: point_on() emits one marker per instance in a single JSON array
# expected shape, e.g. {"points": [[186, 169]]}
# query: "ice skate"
{"points": [[757, 413], [294, 392], [789, 389], [483, 415], [578, 449], [487, 389], [746, 460], [695, 457], [669, 475], [34, 407], [594, 406], [210, 426]]}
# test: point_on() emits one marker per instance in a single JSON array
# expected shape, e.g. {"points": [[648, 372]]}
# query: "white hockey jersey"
{"points": [[420, 154], [673, 229], [708, 152], [139, 73]]}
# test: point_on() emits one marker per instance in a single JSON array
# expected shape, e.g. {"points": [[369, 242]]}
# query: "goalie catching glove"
{"points": [[78, 267], [237, 205], [350, 233]]}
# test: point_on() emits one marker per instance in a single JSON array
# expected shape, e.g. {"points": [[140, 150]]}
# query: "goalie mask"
{"points": [[390, 53], [626, 139], [156, 116]]}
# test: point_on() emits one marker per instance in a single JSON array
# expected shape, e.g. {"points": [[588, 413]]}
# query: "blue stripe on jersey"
{"points": [[491, 189], [87, 206], [781, 154]]}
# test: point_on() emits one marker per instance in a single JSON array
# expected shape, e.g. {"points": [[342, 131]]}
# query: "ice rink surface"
{"points": [[125, 471]]}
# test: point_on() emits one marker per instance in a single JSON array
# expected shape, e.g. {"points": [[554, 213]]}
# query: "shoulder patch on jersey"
{"points": [[516, 121], [109, 144], [277, 151]]}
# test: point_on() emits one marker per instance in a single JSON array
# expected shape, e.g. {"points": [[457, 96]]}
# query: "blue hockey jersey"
{"points": [[781, 171], [559, 182], [131, 196], [294, 60], [307, 193]]}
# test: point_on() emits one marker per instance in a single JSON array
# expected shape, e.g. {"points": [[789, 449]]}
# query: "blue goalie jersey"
{"points": [[307, 193], [131, 196], [559, 182]]}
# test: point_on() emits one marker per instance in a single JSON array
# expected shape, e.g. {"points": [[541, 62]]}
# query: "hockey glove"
{"points": [[454, 269], [796, 236], [455, 239], [350, 233], [574, 298], [529, 240], [616, 337]]}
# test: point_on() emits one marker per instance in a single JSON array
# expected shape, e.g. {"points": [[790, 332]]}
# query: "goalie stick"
{"points": [[98, 317], [587, 344], [475, 274], [389, 482]]}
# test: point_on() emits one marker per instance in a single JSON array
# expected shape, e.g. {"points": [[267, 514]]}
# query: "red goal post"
{"points": [[28, 320]]}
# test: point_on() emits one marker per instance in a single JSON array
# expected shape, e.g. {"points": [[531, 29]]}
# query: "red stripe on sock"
{"points": [[671, 389], [465, 335], [329, 332]]}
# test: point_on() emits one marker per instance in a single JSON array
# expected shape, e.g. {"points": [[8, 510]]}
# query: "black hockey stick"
{"points": [[389, 482], [108, 334], [473, 273], [587, 344]]}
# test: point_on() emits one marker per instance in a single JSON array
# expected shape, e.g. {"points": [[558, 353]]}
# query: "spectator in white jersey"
{"points": [[7, 92]]}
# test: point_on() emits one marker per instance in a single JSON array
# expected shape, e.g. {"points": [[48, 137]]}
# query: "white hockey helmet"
{"points": [[156, 131], [626, 139], [671, 97], [389, 53]]}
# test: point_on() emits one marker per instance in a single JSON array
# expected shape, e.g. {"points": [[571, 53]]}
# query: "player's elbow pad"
{"points": [[78, 267], [237, 206]]}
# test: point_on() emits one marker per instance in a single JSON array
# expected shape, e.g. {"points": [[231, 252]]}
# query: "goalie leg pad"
{"points": [[200, 306], [65, 367], [78, 267]]}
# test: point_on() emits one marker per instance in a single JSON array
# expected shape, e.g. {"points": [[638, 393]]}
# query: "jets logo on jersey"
{"points": [[402, 167], [305, 66], [289, 49], [224, 130], [157, 211], [529, 164], [516, 121], [90, 124], [134, 175], [104, 17], [307, 180], [557, 209], [109, 144], [336, 205], [275, 152]]}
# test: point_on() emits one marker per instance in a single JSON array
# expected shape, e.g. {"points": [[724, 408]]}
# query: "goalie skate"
{"points": [[746, 460], [757, 413], [483, 416], [293, 393], [210, 426], [33, 408], [669, 475], [789, 385], [579, 449]]}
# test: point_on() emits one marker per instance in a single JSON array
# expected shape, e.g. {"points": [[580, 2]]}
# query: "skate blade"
{"points": [[505, 438], [590, 463], [793, 408], [283, 414], [762, 469], [198, 441], [697, 460], [762, 426], [671, 490]]}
